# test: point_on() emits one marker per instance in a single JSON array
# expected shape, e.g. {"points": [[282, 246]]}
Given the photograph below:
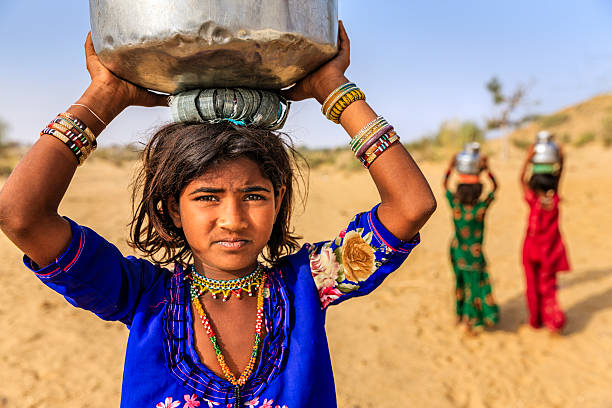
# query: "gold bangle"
{"points": [[336, 96], [333, 95], [343, 102]]}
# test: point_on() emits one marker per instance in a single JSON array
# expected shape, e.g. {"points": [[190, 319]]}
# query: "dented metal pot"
{"points": [[545, 149], [468, 160], [175, 45]]}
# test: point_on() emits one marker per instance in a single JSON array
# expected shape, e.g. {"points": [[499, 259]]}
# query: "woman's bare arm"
{"points": [[31, 195], [484, 166], [448, 172], [407, 201], [523, 174]]}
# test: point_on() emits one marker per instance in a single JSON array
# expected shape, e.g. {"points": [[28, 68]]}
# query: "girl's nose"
{"points": [[232, 215]]}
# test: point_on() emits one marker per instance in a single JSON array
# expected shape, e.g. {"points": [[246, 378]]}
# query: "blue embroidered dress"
{"points": [[162, 368]]}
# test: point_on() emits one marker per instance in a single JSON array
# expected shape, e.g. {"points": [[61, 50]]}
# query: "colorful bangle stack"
{"points": [[372, 140], [340, 98], [70, 130]]}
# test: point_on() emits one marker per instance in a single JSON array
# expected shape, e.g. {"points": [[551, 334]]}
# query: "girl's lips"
{"points": [[233, 244]]}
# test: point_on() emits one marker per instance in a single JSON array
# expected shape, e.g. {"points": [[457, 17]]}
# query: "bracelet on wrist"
{"points": [[74, 134], [373, 140], [339, 99]]}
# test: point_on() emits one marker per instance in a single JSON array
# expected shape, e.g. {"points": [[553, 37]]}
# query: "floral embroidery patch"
{"points": [[168, 403], [338, 267], [191, 401]]}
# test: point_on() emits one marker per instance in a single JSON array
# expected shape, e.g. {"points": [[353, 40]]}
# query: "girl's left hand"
{"points": [[328, 77], [484, 163]]}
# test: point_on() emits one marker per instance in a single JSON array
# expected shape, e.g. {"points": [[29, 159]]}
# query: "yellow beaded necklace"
{"points": [[237, 383]]}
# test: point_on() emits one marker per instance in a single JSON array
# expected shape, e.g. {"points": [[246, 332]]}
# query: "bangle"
{"points": [[335, 111], [67, 129], [383, 143], [372, 140], [91, 138], [74, 134], [70, 135], [368, 135], [73, 147], [339, 99], [90, 111], [362, 134], [332, 96]]}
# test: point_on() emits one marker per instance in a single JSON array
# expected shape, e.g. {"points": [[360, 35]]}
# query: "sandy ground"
{"points": [[396, 347]]}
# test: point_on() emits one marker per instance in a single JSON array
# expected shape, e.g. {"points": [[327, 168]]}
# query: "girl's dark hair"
{"points": [[179, 153], [543, 182], [468, 194]]}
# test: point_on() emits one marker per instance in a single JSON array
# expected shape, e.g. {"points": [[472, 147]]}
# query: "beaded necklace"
{"points": [[201, 284], [237, 383]]}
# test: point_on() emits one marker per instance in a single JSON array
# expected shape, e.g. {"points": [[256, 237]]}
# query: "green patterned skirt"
{"points": [[475, 303]]}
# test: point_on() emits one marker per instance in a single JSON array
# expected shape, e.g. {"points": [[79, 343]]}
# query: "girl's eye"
{"points": [[207, 198], [254, 197]]}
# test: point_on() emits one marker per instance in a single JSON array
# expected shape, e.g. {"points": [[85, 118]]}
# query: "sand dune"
{"points": [[396, 347]]}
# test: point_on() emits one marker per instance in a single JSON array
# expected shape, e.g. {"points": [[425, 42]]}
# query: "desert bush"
{"points": [[553, 120], [521, 144], [606, 131], [420, 145], [565, 138], [319, 157], [5, 170], [585, 138], [118, 154], [455, 133]]}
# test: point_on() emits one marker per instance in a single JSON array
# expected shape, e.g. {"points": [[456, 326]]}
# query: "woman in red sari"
{"points": [[544, 253]]}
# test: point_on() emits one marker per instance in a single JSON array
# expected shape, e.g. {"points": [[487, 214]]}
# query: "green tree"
{"points": [[507, 104], [456, 133]]}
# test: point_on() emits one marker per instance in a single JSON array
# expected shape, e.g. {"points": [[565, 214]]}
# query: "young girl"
{"points": [[475, 304], [543, 250], [219, 328]]}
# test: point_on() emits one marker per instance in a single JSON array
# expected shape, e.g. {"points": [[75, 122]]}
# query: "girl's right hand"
{"points": [[108, 95], [530, 152], [484, 163]]}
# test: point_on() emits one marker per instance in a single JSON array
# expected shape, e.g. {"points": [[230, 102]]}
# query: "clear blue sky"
{"points": [[419, 62]]}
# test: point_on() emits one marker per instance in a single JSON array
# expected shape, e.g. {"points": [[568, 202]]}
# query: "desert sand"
{"points": [[397, 347]]}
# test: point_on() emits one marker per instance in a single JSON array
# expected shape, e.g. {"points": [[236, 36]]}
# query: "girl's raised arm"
{"points": [[449, 170], [485, 167], [407, 201], [522, 177], [31, 195]]}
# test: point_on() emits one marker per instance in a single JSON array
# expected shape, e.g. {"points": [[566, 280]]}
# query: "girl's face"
{"points": [[227, 215]]}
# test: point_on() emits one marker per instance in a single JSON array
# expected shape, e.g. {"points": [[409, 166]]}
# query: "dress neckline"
{"points": [[183, 360]]}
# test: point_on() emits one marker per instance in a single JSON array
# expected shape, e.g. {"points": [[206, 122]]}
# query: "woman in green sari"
{"points": [[475, 304]]}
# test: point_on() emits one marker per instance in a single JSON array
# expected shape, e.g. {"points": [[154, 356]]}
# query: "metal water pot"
{"points": [[175, 45], [546, 151], [468, 160]]}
